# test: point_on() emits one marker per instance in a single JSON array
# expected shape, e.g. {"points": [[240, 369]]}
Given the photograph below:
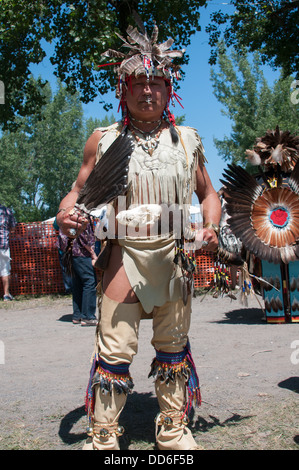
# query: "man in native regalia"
{"points": [[140, 167]]}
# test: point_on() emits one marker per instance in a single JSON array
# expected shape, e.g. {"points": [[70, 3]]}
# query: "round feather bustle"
{"points": [[264, 211], [286, 230]]}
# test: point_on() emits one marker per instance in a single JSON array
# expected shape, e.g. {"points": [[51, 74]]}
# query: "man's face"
{"points": [[146, 99]]}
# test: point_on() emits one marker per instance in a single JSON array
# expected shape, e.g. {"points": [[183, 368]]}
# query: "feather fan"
{"points": [[264, 217], [107, 181], [109, 178], [293, 181]]}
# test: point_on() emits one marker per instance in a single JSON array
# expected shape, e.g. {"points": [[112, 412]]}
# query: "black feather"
{"points": [[109, 178], [239, 180], [173, 133], [294, 179], [96, 379], [117, 387]]}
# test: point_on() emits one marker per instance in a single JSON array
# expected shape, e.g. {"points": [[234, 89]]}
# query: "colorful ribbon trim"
{"points": [[90, 397], [109, 377], [181, 361]]}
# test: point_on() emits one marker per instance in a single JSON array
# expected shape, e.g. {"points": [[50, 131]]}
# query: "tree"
{"points": [[57, 142], [250, 103], [41, 159], [81, 31], [92, 124], [270, 28]]}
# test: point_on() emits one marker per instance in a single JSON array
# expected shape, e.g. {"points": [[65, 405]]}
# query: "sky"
{"points": [[201, 109]]}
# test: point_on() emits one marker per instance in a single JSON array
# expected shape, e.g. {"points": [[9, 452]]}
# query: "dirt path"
{"points": [[249, 381]]}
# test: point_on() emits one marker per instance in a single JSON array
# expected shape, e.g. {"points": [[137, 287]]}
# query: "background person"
{"points": [[83, 275], [7, 222]]}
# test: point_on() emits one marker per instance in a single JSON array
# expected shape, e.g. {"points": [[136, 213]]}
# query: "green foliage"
{"points": [[81, 31], [180, 120], [270, 28], [92, 124], [250, 103], [41, 159]]}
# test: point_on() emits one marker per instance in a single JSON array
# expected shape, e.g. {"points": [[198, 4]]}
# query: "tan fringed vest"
{"points": [[168, 175]]}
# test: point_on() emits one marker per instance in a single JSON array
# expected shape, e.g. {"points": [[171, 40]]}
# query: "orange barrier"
{"points": [[35, 267], [204, 272]]}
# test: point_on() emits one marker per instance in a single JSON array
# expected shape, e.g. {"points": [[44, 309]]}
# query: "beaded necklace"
{"points": [[147, 134], [146, 122], [150, 144]]}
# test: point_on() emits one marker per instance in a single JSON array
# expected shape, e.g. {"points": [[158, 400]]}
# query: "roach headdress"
{"points": [[264, 209], [145, 56]]}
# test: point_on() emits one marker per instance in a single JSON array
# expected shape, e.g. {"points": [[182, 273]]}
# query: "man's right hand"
{"points": [[71, 222]]}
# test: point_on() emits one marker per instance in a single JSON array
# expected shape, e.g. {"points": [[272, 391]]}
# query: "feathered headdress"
{"points": [[145, 56]]}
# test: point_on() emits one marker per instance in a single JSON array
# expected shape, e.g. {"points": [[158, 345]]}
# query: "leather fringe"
{"points": [[67, 257], [169, 366], [110, 378]]}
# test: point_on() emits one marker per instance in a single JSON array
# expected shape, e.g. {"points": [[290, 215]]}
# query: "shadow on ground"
{"points": [[66, 318], [244, 316], [292, 383], [203, 425], [138, 419]]}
